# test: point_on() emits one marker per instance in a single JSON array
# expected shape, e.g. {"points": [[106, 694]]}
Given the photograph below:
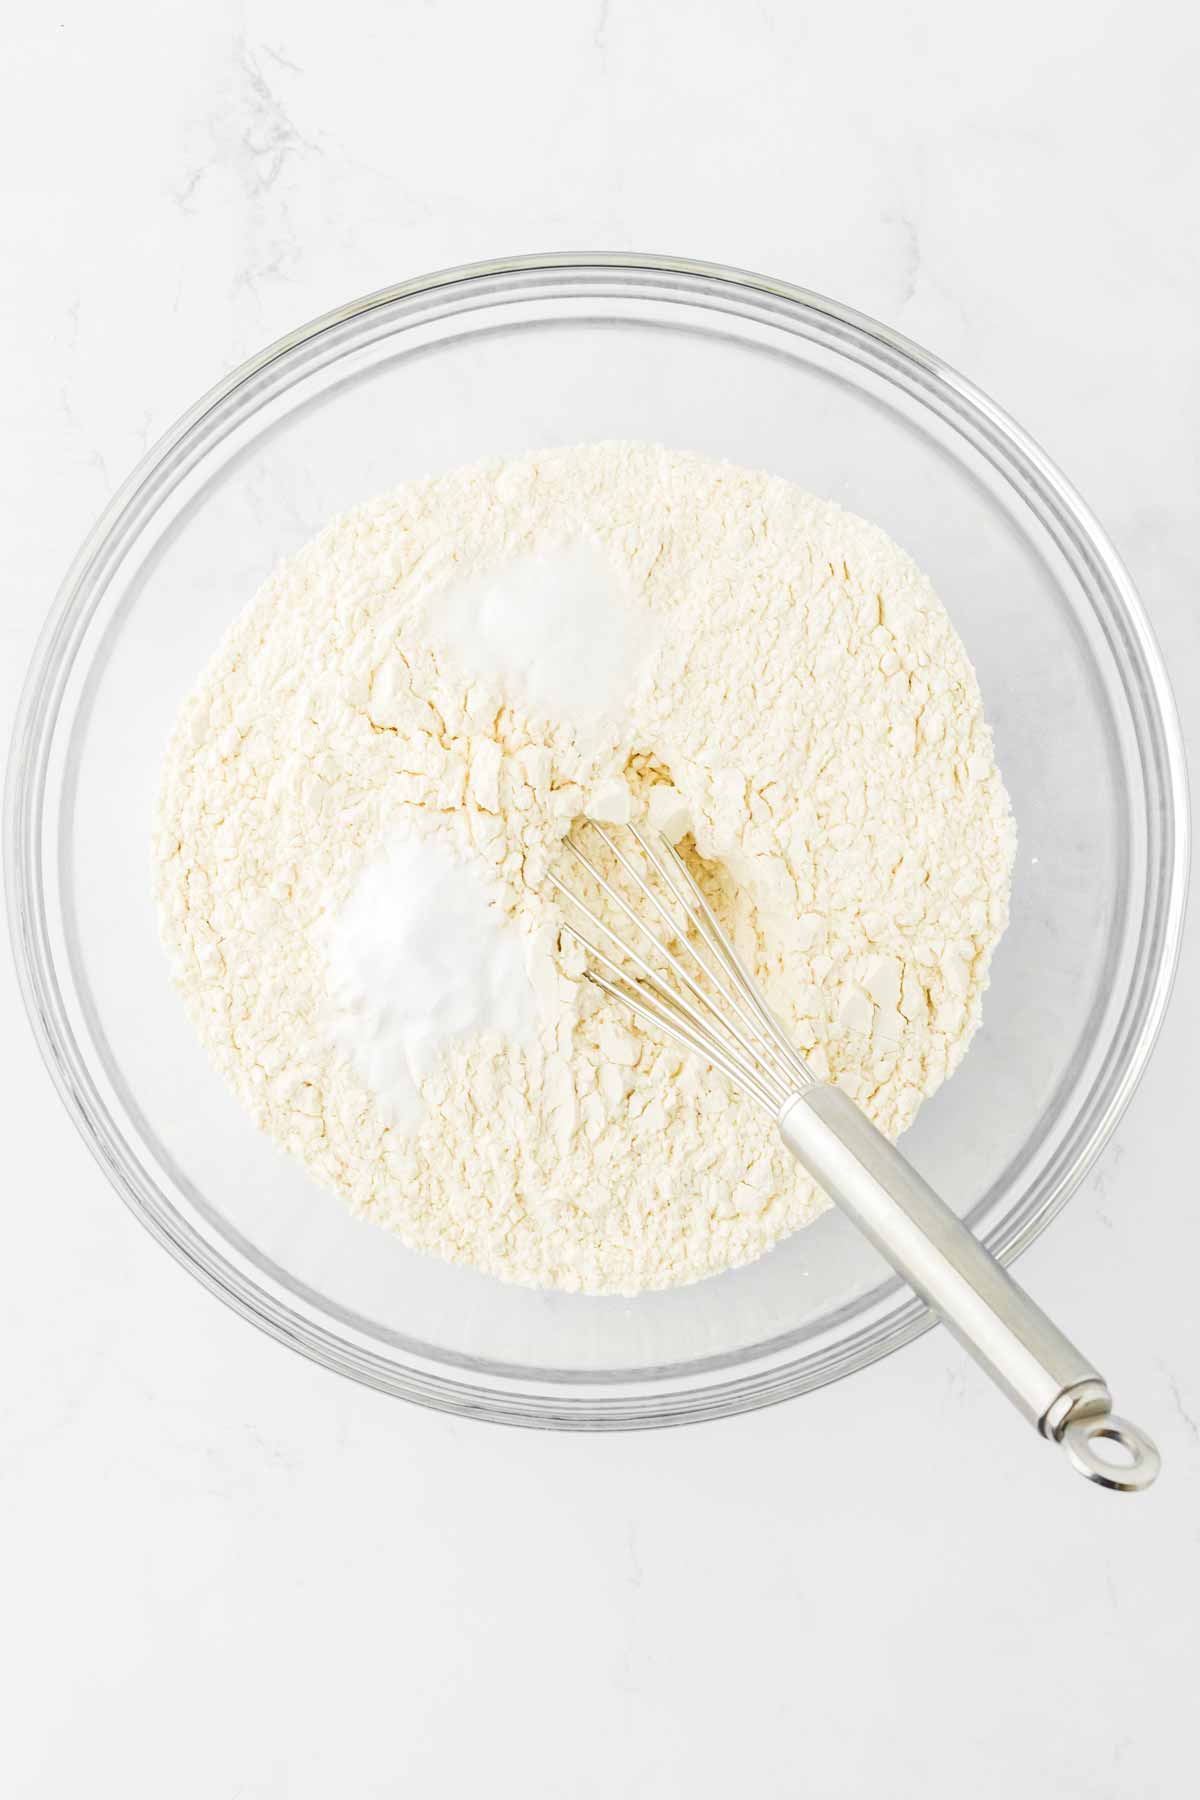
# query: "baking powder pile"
{"points": [[422, 689]]}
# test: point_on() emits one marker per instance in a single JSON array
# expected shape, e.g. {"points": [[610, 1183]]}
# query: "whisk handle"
{"points": [[1041, 1371]]}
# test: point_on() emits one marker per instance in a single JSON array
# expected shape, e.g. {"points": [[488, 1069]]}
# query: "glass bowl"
{"points": [[494, 360]]}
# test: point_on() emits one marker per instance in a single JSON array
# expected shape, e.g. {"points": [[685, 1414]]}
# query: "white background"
{"points": [[228, 1574]]}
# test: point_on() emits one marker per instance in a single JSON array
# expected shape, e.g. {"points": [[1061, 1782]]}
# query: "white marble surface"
{"points": [[227, 1574]]}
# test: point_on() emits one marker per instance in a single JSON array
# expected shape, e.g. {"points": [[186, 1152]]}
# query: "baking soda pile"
{"points": [[405, 722]]}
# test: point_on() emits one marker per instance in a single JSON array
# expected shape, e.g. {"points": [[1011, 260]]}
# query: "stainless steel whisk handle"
{"points": [[1023, 1351]]}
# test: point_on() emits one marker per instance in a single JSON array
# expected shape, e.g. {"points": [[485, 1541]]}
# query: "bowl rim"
{"points": [[440, 1384]]}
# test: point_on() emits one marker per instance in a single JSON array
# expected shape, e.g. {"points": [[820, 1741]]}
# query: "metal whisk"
{"points": [[672, 965]]}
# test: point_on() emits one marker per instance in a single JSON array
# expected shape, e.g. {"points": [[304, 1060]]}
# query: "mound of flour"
{"points": [[773, 682]]}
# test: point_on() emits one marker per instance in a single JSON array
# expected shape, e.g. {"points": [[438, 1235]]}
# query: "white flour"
{"points": [[802, 708]]}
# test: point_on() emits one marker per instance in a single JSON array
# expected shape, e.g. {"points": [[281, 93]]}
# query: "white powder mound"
{"points": [[555, 631], [417, 959], [799, 712]]}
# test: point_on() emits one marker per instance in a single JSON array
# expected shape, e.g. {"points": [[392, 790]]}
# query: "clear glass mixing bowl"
{"points": [[491, 361]]}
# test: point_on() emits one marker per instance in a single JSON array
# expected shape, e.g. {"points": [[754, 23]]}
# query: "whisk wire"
{"points": [[719, 980], [673, 1011], [710, 928], [643, 1005], [728, 1026], [668, 956]]}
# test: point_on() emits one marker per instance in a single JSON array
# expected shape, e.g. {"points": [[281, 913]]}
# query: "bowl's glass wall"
{"points": [[492, 367]]}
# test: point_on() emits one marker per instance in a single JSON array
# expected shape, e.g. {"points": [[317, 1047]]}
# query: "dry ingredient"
{"points": [[556, 632], [425, 697], [417, 959]]}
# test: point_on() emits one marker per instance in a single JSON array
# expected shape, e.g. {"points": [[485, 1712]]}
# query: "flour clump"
{"points": [[407, 719]]}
